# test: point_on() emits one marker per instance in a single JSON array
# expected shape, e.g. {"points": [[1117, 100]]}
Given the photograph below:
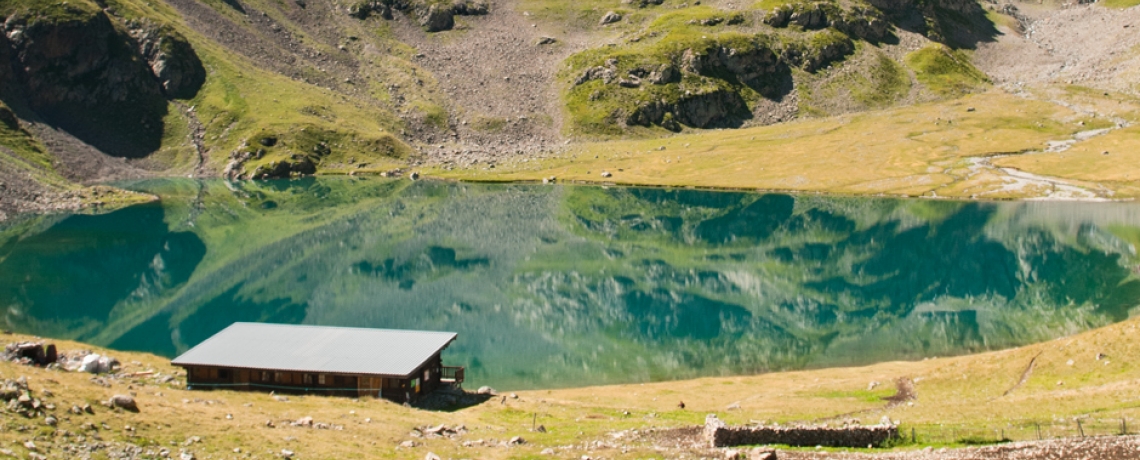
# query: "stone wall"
{"points": [[719, 434]]}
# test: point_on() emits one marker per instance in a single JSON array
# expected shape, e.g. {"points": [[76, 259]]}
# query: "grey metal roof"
{"points": [[324, 349]]}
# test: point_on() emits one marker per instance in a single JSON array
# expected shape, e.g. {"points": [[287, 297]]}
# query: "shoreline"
{"points": [[948, 399]]}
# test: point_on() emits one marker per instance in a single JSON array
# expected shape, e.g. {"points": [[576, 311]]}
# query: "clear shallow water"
{"points": [[567, 286]]}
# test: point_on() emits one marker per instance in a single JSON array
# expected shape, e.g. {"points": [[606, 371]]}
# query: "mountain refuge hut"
{"points": [[400, 365]]}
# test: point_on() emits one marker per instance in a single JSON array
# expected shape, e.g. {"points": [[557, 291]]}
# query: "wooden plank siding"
{"points": [[423, 380]]}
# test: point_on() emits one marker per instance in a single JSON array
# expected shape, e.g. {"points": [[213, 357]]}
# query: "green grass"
{"points": [[868, 396], [1121, 4], [39, 10], [488, 124], [946, 72], [886, 83], [24, 144]]}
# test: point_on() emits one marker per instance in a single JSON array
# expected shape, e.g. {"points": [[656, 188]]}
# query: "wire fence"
{"points": [[1018, 430]]}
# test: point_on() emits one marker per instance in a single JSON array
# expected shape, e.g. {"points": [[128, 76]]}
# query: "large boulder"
{"points": [[123, 402], [437, 17], [609, 18], [97, 364]]}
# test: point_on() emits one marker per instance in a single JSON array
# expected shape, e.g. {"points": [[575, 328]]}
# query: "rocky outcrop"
{"points": [[435, 18], [749, 66], [858, 21], [818, 51], [719, 434], [77, 60], [699, 110], [171, 59], [609, 18], [295, 159], [74, 69], [432, 16]]}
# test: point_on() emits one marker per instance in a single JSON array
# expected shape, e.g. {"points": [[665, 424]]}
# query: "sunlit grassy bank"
{"points": [[1091, 376], [924, 150]]}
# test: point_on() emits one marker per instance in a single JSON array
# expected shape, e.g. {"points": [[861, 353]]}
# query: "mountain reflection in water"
{"points": [[552, 286]]}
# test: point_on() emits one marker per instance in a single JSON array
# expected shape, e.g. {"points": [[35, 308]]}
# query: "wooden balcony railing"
{"points": [[451, 374]]}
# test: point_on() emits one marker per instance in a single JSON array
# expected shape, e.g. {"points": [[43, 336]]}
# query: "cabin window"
{"points": [[321, 379], [277, 377], [264, 376], [340, 381], [308, 379], [224, 374]]}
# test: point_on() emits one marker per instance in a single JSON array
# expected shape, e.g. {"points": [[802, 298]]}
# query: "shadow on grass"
{"points": [[451, 400]]}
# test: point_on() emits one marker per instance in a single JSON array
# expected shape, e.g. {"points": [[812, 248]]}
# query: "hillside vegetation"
{"points": [[263, 89]]}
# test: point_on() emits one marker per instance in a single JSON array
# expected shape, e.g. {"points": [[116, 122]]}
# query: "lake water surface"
{"points": [[553, 286]]}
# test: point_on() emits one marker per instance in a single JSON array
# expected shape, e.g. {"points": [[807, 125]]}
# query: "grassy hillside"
{"points": [[958, 400]]}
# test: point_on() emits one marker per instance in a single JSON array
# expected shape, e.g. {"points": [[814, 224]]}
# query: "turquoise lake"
{"points": [[557, 286]]}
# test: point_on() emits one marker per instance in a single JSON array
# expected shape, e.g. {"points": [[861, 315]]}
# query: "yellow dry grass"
{"points": [[972, 390], [910, 151], [1107, 158]]}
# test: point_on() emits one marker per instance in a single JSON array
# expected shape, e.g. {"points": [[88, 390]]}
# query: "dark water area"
{"points": [[556, 286]]}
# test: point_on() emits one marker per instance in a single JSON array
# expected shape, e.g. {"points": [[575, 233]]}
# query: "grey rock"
{"points": [[760, 453], [437, 18], [610, 18], [124, 402]]}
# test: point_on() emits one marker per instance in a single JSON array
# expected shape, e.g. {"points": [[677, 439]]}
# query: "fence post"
{"points": [[913, 437], [1123, 426], [1080, 429], [1038, 425]]}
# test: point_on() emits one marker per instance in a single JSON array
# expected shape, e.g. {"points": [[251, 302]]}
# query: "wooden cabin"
{"points": [[399, 365]]}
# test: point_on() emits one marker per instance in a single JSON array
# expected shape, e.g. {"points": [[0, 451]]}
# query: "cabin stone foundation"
{"points": [[719, 434]]}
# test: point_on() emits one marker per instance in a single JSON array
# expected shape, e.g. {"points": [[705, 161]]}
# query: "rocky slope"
{"points": [[97, 90]]}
